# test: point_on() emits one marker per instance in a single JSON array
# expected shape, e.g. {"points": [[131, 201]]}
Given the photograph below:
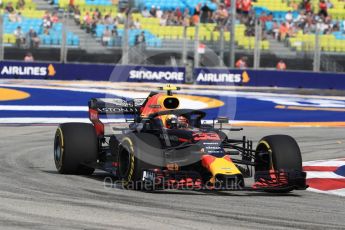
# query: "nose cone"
{"points": [[222, 165]]}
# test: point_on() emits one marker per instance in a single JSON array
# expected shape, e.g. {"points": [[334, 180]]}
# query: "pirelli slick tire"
{"points": [[283, 153], [278, 152], [75, 144], [134, 151]]}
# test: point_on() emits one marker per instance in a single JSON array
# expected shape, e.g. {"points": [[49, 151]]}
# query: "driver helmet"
{"points": [[171, 122], [182, 122]]}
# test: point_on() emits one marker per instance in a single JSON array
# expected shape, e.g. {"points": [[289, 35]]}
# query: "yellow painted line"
{"points": [[304, 108], [12, 94], [290, 124]]}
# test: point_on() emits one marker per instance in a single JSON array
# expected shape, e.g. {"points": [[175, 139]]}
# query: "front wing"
{"points": [[155, 179]]}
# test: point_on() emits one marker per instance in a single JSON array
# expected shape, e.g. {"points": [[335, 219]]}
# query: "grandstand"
{"points": [[31, 18], [163, 24]]}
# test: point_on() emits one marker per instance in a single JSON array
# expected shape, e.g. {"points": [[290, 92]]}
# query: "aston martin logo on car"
{"points": [[117, 110]]}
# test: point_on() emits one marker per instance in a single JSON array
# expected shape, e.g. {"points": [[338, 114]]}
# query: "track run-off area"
{"points": [[34, 196]]}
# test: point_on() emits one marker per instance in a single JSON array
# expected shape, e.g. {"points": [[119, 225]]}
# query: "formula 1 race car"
{"points": [[164, 147]]}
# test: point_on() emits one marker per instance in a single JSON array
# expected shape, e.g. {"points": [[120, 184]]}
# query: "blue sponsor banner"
{"points": [[115, 73], [293, 79], [203, 76]]}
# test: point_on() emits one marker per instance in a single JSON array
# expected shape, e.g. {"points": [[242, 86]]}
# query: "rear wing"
{"points": [[110, 106], [116, 105]]}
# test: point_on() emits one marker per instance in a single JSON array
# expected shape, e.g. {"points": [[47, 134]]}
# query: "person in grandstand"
{"points": [[246, 7], [323, 8], [20, 37], [159, 12], [306, 5], [283, 32], [137, 24], [281, 65], [196, 15], [242, 63], [106, 36], [221, 15], [206, 13], [140, 39], [153, 11], [28, 57], [289, 17], [9, 8], [20, 4], [145, 13], [32, 38]]}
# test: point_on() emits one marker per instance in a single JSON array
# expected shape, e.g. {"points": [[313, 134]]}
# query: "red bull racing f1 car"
{"points": [[164, 147]]}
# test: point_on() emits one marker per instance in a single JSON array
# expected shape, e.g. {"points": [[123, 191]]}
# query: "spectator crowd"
{"points": [[29, 39], [306, 21]]}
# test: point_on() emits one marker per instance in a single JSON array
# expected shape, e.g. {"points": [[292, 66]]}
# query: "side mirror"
{"points": [[222, 120]]}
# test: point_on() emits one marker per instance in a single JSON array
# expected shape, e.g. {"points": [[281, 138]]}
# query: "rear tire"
{"points": [[75, 144]]}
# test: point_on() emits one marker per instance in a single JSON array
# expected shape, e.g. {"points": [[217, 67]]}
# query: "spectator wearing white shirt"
{"points": [[106, 36], [47, 22], [145, 13], [289, 17], [301, 20], [163, 20], [20, 36], [329, 4], [159, 12], [137, 24]]}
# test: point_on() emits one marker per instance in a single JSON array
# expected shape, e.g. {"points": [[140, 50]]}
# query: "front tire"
{"points": [[133, 158], [282, 151], [75, 144], [278, 152]]}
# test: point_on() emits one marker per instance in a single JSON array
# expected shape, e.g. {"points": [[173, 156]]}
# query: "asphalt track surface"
{"points": [[34, 196]]}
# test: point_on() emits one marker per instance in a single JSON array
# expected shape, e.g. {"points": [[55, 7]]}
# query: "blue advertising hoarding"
{"points": [[158, 74], [116, 73], [293, 79]]}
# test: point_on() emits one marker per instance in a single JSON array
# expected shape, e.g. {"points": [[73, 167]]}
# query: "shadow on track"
{"points": [[101, 177]]}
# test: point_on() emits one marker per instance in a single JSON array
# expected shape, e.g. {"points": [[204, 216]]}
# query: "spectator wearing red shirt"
{"points": [[246, 6], [242, 63], [307, 6], [227, 3], [239, 6], [264, 18], [283, 31], [54, 18], [323, 8], [178, 14], [281, 65], [71, 5], [196, 15]]}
